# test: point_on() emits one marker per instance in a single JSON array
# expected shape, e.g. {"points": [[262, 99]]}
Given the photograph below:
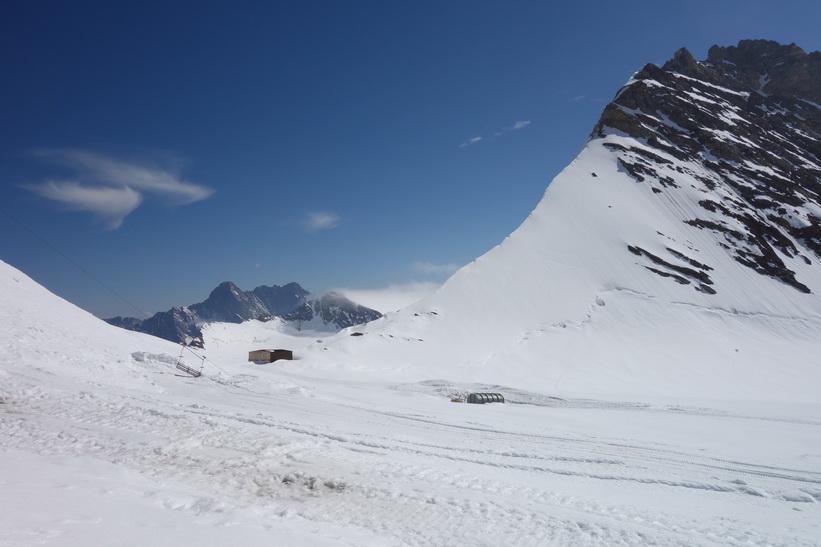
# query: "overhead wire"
{"points": [[76, 264], [203, 358], [101, 283]]}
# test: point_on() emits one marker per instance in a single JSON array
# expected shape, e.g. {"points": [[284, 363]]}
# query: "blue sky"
{"points": [[166, 147]]}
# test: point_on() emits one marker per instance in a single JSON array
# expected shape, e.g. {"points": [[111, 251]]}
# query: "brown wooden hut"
{"points": [[270, 355]]}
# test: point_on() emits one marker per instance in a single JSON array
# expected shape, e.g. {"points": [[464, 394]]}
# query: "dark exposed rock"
{"points": [[229, 304], [177, 325], [281, 300], [686, 258], [682, 273], [332, 309], [127, 323], [678, 279], [788, 70], [706, 289], [684, 63], [745, 123]]}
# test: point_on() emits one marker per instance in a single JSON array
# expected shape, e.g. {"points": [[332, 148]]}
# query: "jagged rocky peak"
{"points": [[762, 66], [279, 300], [683, 62], [331, 310], [755, 68], [746, 125], [224, 289], [228, 303], [775, 69]]}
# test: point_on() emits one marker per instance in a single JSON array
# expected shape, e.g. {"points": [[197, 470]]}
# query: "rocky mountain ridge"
{"points": [[330, 309], [745, 124], [227, 303]]}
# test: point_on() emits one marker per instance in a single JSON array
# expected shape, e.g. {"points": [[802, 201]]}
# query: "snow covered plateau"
{"points": [[655, 333]]}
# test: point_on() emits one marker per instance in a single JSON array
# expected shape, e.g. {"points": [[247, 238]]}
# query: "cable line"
{"points": [[112, 291], [78, 266]]}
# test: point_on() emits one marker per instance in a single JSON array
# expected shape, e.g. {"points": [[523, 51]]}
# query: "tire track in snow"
{"points": [[419, 487], [636, 451]]}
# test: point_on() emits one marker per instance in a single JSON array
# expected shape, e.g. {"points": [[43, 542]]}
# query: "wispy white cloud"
{"points": [[435, 269], [392, 297], [112, 188], [111, 205], [399, 295], [515, 127], [472, 140], [321, 220]]}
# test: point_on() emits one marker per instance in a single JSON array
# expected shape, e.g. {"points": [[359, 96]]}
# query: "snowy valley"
{"points": [[654, 326], [106, 442]]}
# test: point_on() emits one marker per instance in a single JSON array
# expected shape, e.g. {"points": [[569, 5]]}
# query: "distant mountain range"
{"points": [[228, 304]]}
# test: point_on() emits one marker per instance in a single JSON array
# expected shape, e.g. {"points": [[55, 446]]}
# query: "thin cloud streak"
{"points": [[110, 205], [515, 127], [321, 220], [110, 188], [472, 140]]}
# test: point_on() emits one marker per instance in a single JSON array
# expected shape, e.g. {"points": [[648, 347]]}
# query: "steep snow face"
{"points": [[46, 334], [675, 255]]}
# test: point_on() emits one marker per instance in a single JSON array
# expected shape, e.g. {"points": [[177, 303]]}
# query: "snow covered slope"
{"points": [[104, 442], [652, 266], [44, 333]]}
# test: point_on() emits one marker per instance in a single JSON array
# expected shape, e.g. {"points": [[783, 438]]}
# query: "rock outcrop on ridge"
{"points": [[745, 124], [332, 309], [227, 303]]}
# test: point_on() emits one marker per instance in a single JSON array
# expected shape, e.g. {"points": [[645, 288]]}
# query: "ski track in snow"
{"points": [[405, 477]]}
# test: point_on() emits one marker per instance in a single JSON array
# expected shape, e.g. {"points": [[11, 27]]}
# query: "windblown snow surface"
{"points": [[640, 410]]}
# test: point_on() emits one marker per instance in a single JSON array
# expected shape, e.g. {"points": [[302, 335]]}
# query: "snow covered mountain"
{"points": [[745, 125], [331, 310], [228, 304], [655, 322], [685, 232]]}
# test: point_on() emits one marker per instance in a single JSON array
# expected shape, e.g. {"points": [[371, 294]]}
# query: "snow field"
{"points": [[357, 463], [105, 442], [639, 411]]}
